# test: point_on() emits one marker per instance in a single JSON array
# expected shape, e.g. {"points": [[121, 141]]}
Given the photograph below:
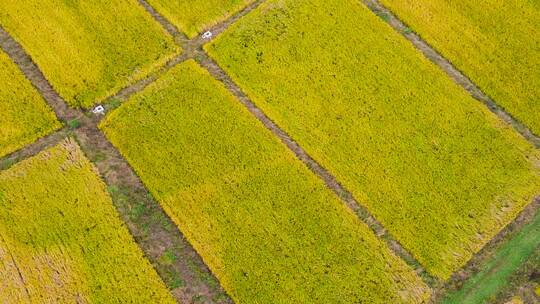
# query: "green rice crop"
{"points": [[88, 50], [24, 115], [193, 16], [263, 222], [61, 240], [439, 170], [496, 43]]}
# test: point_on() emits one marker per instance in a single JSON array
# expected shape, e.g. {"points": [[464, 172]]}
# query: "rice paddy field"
{"points": [[88, 50], [432, 164], [246, 204], [306, 152], [192, 16], [496, 44], [61, 240], [25, 115]]}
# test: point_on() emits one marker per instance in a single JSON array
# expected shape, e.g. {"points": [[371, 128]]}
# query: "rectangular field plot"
{"points": [[432, 164], [496, 43], [193, 16], [265, 225], [61, 240], [24, 115], [88, 49]]}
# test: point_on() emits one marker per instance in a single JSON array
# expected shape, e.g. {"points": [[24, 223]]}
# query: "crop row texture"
{"points": [[88, 50], [24, 115], [439, 170], [496, 43], [193, 16], [263, 222], [61, 240]]}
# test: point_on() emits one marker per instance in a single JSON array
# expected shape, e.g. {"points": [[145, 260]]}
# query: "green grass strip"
{"points": [[493, 276]]}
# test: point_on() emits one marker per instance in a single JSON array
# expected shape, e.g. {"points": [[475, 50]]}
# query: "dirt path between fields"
{"points": [[179, 37], [34, 74], [153, 229], [178, 264], [128, 191], [198, 42], [190, 49], [194, 50], [34, 148], [457, 76], [172, 256], [331, 182]]}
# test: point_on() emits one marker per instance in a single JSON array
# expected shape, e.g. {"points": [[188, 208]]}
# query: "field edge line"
{"points": [[34, 148], [128, 191]]}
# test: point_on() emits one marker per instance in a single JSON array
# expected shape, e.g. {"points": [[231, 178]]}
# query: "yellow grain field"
{"points": [[265, 225], [61, 240], [193, 16], [441, 172], [496, 43], [88, 50], [24, 115]]}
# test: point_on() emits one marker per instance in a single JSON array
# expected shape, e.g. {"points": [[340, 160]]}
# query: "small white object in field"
{"points": [[207, 35], [99, 110]]}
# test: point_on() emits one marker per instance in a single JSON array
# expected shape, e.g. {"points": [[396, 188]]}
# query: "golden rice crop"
{"points": [[24, 115], [88, 50], [439, 170], [265, 225], [496, 43], [193, 16], [61, 240]]}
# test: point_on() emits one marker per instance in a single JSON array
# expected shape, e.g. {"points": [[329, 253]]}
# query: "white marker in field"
{"points": [[99, 110], [207, 35]]}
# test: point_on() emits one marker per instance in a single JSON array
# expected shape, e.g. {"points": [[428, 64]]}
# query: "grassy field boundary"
{"points": [[107, 61], [228, 189], [93, 142], [68, 245], [179, 36], [126, 189], [524, 282], [190, 49], [34, 148], [456, 75], [220, 27], [31, 71], [122, 95], [476, 279]]}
